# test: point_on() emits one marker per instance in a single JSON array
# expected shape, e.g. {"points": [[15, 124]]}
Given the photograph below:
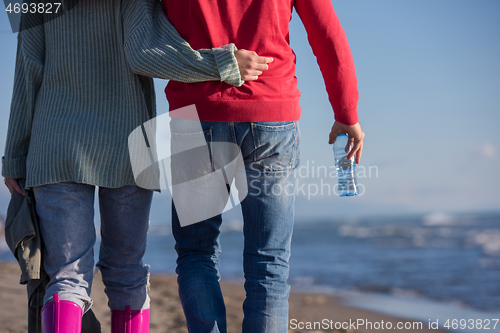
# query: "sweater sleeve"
{"points": [[331, 48], [27, 80], [154, 48]]}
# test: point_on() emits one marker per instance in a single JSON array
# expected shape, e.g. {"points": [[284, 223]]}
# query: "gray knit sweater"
{"points": [[80, 89]]}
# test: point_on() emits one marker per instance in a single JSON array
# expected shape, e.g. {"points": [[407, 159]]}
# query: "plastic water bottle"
{"points": [[346, 169]]}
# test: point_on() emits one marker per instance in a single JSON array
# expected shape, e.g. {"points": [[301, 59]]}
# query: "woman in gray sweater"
{"points": [[82, 85]]}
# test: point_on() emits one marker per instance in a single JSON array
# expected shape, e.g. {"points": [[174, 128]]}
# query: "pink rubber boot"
{"points": [[129, 321], [61, 316]]}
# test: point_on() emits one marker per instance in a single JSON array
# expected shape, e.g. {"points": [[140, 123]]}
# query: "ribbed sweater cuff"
{"points": [[14, 167], [348, 117], [227, 65]]}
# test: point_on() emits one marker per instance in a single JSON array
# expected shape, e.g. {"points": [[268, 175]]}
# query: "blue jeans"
{"points": [[66, 212], [270, 153]]}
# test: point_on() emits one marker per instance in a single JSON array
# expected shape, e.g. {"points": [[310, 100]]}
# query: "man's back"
{"points": [[262, 25], [259, 25]]}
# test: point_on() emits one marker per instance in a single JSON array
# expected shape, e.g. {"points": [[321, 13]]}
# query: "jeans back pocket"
{"points": [[191, 157], [275, 145]]}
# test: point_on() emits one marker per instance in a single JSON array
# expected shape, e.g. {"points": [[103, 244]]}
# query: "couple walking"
{"points": [[83, 84]]}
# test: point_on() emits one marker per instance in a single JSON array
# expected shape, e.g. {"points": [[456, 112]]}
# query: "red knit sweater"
{"points": [[262, 26]]}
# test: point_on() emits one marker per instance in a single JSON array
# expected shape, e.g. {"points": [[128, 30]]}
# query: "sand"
{"points": [[166, 311]]}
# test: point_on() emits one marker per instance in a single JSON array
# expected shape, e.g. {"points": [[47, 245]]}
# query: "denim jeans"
{"points": [[66, 213], [270, 153]]}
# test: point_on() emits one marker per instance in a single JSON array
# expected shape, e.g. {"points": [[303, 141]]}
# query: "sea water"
{"points": [[452, 260]]}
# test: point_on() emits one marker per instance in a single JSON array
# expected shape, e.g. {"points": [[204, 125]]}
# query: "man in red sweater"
{"points": [[261, 119]]}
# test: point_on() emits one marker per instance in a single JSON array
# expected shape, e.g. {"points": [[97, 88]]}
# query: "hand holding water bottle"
{"points": [[355, 142], [345, 148]]}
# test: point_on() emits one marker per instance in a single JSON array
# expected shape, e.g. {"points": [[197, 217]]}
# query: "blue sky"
{"points": [[429, 81]]}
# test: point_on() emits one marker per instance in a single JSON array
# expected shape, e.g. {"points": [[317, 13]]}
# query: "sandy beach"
{"points": [[166, 310]]}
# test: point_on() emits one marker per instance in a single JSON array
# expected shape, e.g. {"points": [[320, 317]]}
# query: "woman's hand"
{"points": [[12, 185], [251, 65]]}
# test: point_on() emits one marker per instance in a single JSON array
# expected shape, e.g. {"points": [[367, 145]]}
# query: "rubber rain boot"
{"points": [[129, 321], [61, 316]]}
